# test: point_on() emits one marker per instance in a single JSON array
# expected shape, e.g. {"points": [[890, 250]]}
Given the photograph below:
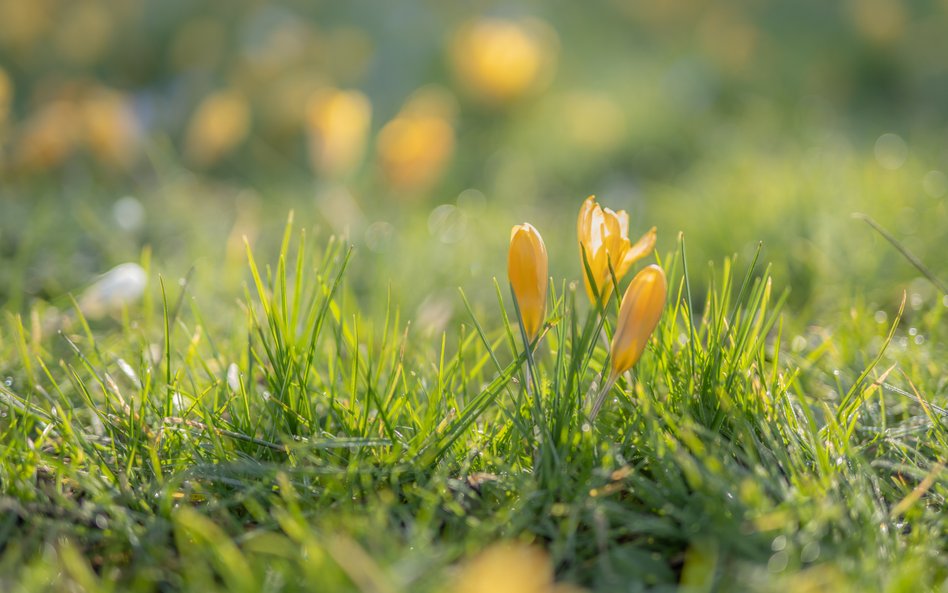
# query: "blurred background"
{"points": [[422, 131]]}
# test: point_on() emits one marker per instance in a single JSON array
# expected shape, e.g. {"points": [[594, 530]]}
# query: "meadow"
{"points": [[257, 332]]}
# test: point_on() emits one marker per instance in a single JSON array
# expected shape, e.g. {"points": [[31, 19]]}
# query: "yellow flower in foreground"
{"points": [[527, 269], [510, 568], [604, 238], [641, 309]]}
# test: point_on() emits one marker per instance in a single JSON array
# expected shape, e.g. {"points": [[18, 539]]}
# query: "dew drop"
{"points": [[128, 213]]}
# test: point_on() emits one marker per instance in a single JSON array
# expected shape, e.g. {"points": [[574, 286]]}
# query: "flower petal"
{"points": [[642, 247], [641, 309], [527, 270]]}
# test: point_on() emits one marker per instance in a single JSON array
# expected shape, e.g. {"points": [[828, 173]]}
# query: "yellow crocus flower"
{"points": [[604, 238], [527, 269], [641, 308]]}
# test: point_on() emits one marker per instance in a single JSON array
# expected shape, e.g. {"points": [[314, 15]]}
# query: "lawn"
{"points": [[257, 332]]}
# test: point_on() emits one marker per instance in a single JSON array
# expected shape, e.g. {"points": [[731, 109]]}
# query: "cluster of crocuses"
{"points": [[606, 254]]}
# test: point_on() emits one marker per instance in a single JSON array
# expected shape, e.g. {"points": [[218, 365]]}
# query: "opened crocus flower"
{"points": [[604, 239], [527, 270], [641, 308]]}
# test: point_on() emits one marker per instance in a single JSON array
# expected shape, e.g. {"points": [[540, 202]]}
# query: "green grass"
{"points": [[344, 403], [296, 435]]}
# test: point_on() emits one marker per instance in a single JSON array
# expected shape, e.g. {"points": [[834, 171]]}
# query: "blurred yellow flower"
{"points": [[109, 127], [415, 147], [527, 270], [6, 97], [604, 241], [510, 568], [78, 116], [49, 136], [641, 308], [338, 126], [218, 126], [499, 61]]}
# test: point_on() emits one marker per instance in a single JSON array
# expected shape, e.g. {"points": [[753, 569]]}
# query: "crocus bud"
{"points": [[639, 313], [527, 270]]}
